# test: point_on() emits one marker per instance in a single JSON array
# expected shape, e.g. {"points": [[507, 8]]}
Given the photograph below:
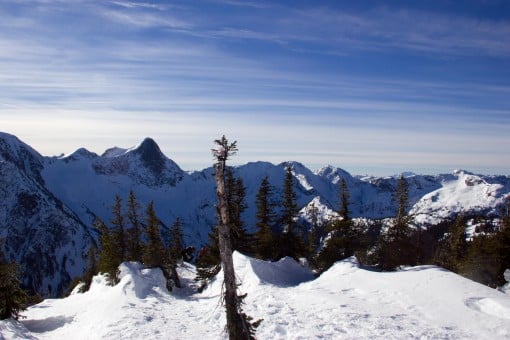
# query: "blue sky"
{"points": [[374, 87]]}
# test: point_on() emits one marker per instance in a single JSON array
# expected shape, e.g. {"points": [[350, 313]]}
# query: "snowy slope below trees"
{"points": [[344, 302]]}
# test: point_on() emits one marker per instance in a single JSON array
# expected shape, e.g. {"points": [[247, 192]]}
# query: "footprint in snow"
{"points": [[491, 306]]}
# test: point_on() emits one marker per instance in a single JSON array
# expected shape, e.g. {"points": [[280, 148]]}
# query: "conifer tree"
{"points": [[505, 213], [208, 260], [290, 207], [452, 249], [13, 299], [175, 251], [403, 219], [176, 242], [345, 196], [236, 194], [482, 262], [290, 241], [314, 234], [503, 236], [394, 248], [345, 237], [488, 255], [239, 325], [134, 242], [154, 251], [90, 271], [109, 256], [347, 230], [118, 231], [265, 248]]}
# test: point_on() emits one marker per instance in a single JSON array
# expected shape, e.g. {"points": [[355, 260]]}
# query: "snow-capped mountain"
{"points": [[40, 232], [48, 204]]}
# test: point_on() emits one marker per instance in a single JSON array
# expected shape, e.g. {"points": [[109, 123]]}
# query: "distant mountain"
{"points": [[40, 232], [48, 204]]}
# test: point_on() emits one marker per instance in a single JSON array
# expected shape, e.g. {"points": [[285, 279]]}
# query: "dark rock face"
{"points": [[145, 164], [40, 233], [26, 159], [151, 155]]}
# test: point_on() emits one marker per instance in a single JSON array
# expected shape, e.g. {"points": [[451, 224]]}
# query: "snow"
{"points": [[463, 191], [345, 302], [323, 212]]}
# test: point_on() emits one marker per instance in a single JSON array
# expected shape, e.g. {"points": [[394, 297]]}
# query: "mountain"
{"points": [[48, 204], [347, 301], [41, 233]]}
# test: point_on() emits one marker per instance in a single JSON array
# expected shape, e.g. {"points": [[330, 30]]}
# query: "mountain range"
{"points": [[48, 204]]}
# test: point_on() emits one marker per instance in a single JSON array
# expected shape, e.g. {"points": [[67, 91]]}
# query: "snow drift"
{"points": [[344, 302]]}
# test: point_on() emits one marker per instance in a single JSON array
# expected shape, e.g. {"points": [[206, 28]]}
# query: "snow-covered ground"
{"points": [[346, 302]]}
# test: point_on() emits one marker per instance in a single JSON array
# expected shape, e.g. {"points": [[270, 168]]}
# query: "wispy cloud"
{"points": [[383, 28], [297, 75], [145, 19], [250, 4], [133, 4]]}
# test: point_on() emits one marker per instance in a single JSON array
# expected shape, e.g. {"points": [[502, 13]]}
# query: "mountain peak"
{"points": [[151, 155], [81, 153], [148, 146], [22, 155]]}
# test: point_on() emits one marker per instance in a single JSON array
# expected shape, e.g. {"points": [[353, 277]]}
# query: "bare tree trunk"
{"points": [[175, 276], [238, 323], [237, 328]]}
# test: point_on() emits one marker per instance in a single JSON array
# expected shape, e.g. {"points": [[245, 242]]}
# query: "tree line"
{"points": [[381, 244], [134, 236], [276, 235]]}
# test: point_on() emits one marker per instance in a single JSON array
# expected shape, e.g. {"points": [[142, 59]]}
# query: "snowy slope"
{"points": [[345, 302], [461, 192]]}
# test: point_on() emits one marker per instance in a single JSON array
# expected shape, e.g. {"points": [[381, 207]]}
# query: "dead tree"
{"points": [[238, 323]]}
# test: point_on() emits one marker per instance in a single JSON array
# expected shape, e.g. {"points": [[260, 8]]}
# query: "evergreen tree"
{"points": [[488, 255], [345, 196], [290, 207], [482, 262], [118, 231], [265, 248], [452, 249], [176, 242], [134, 244], [236, 194], [505, 213], [345, 237], [13, 299], [403, 219], [175, 251], [154, 254], [290, 241], [503, 237], [313, 235], [208, 260], [395, 248], [349, 232], [109, 256], [90, 271]]}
